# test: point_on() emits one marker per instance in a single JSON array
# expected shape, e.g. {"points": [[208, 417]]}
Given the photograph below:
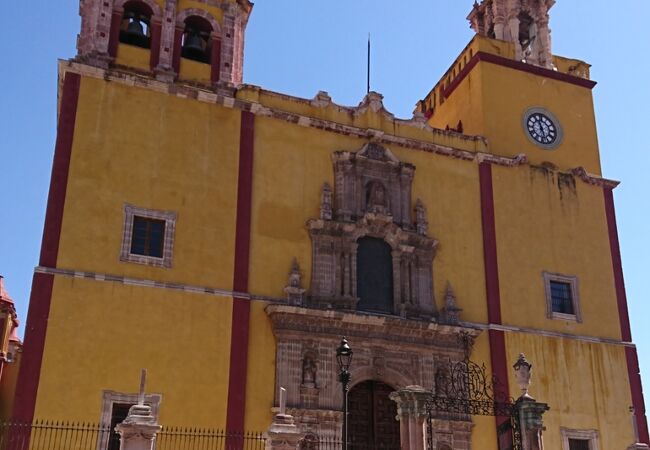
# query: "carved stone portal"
{"points": [[372, 199], [391, 350]]}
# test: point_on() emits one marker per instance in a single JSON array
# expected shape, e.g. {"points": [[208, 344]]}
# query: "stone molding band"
{"points": [[227, 293]]}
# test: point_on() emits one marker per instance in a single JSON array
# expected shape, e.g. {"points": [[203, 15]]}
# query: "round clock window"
{"points": [[542, 128]]}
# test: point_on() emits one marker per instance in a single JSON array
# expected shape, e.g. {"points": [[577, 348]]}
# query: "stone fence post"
{"points": [[139, 429], [283, 433], [528, 411]]}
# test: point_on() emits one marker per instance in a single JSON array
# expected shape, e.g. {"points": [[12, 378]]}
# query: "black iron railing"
{"points": [[44, 435], [179, 438], [50, 435]]}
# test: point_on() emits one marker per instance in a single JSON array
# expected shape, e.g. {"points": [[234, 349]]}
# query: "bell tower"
{"points": [[171, 40], [508, 87], [521, 22]]}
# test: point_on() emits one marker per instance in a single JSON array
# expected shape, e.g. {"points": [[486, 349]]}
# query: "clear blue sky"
{"points": [[301, 47]]}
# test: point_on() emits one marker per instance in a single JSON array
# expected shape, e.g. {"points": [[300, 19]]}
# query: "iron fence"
{"points": [[178, 438], [43, 435], [49, 435]]}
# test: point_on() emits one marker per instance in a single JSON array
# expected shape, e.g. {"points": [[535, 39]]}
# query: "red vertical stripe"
{"points": [[114, 37], [490, 244], [634, 375], [624, 318], [490, 261], [215, 59], [156, 30], [39, 303], [30, 364], [241, 306], [60, 166]]}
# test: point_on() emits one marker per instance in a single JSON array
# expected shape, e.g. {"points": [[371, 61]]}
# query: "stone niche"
{"points": [[372, 199]]}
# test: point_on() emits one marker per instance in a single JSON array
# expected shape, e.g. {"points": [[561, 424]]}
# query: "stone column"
{"points": [[139, 429], [283, 433], [164, 70], [412, 414]]}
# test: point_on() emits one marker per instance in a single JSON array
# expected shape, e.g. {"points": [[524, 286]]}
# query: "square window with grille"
{"points": [[148, 236], [562, 301], [579, 444], [561, 298]]}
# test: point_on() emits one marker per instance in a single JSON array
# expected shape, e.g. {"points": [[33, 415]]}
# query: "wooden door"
{"points": [[371, 421]]}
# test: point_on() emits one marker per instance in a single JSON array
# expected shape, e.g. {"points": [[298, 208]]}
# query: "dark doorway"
{"points": [[372, 422], [374, 276]]}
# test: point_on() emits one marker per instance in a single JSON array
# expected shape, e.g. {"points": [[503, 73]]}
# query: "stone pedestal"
{"points": [[530, 422], [412, 414], [283, 434], [139, 429]]}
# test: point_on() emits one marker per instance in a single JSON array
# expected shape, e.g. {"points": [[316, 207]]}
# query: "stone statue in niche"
{"points": [[326, 203], [377, 201], [294, 291], [442, 382], [309, 371], [451, 312]]}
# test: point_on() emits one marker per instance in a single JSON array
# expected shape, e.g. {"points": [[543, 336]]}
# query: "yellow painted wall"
{"points": [[563, 230], [159, 152], [585, 384], [133, 57], [182, 339]]}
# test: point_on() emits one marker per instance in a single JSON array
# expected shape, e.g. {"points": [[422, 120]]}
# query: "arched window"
{"points": [[374, 276], [135, 28], [197, 44], [527, 31]]}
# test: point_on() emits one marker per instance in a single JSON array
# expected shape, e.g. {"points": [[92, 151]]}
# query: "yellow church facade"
{"points": [[225, 237]]}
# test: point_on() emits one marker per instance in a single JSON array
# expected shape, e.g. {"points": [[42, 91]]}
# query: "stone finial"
{"points": [[451, 312], [322, 100], [139, 429], [294, 291], [326, 202], [523, 373], [421, 218]]}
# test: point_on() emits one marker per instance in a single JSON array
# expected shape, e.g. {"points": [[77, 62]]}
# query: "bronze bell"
{"points": [[135, 29], [194, 47]]}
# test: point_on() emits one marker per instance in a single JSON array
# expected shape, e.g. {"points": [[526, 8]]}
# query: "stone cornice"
{"points": [[289, 320], [225, 96]]}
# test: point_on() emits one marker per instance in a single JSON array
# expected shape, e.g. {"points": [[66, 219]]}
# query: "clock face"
{"points": [[542, 128]]}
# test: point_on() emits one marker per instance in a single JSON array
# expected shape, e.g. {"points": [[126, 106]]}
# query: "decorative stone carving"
{"points": [[139, 429], [294, 289], [523, 374], [396, 351], [451, 312], [326, 202], [372, 199], [412, 413], [421, 224]]}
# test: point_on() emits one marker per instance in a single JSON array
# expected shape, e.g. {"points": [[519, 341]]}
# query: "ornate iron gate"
{"points": [[463, 389]]}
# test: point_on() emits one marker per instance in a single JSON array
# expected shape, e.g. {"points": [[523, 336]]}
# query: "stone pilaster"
{"points": [[530, 422], [412, 413], [164, 70]]}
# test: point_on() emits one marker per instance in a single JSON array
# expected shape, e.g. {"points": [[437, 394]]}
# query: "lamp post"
{"points": [[344, 358]]}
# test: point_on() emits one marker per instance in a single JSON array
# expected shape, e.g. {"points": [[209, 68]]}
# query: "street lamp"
{"points": [[344, 358]]}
